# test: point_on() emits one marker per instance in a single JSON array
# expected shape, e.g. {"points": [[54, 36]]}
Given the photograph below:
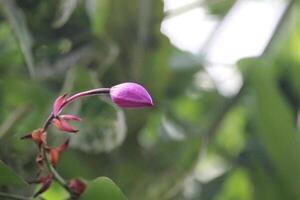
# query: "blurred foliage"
{"points": [[194, 144]]}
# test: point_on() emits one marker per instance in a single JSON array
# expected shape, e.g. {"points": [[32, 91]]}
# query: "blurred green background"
{"points": [[197, 142]]}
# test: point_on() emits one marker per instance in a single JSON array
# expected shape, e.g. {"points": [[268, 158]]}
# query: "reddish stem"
{"points": [[86, 93], [73, 98]]}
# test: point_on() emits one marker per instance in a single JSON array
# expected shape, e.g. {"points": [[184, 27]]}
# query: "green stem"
{"points": [[59, 179]]}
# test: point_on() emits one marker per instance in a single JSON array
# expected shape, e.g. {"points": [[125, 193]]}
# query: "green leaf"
{"points": [[102, 188], [55, 192], [237, 186], [65, 10], [9, 177], [276, 129], [18, 23], [230, 136]]}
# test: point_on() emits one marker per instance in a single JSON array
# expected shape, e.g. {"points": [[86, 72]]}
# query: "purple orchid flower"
{"points": [[130, 95]]}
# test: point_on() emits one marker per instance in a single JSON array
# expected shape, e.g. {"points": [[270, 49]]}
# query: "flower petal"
{"points": [[70, 117], [130, 95], [55, 152], [39, 136], [63, 125], [58, 103], [63, 146]]}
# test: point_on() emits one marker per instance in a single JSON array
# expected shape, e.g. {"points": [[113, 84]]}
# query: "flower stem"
{"points": [[86, 93], [72, 98], [48, 122], [60, 180]]}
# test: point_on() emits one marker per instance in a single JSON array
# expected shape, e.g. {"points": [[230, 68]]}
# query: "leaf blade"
{"points": [[9, 177], [17, 20], [103, 188]]}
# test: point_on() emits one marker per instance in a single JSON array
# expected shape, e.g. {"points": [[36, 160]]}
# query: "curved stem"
{"points": [[76, 96], [86, 93], [48, 122]]}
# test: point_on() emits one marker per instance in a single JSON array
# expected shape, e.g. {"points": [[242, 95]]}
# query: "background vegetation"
{"points": [[194, 144]]}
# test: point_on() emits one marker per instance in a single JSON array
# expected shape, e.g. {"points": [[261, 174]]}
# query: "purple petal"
{"points": [[130, 95]]}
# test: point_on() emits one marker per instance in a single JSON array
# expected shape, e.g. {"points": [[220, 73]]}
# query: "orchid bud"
{"points": [[130, 95], [77, 186], [39, 136], [55, 152], [45, 184]]}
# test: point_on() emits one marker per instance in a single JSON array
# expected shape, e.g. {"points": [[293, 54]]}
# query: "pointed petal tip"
{"points": [[63, 146], [58, 104], [28, 136], [151, 104], [63, 125]]}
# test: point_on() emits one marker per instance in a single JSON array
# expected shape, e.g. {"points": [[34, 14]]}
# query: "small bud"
{"points": [[55, 152], [130, 95], [45, 181], [58, 104], [76, 186], [39, 136]]}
